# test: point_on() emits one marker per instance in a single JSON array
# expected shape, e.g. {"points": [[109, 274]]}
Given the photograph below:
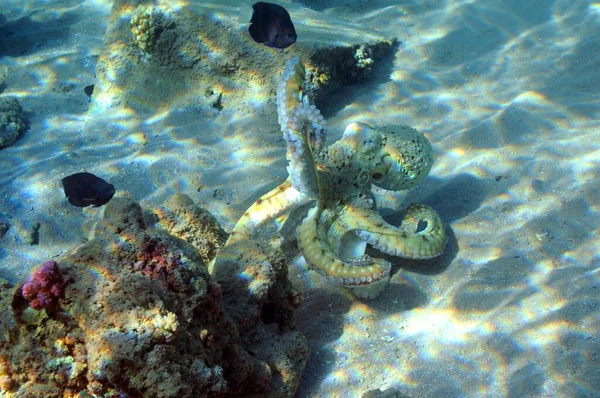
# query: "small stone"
{"points": [[12, 122], [34, 236], [4, 227]]}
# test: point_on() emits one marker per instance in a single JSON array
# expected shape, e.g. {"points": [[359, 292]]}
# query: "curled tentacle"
{"points": [[289, 90], [303, 128], [407, 240], [304, 135], [319, 255]]}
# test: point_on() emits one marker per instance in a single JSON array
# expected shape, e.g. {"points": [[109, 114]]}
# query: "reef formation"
{"points": [[327, 198], [191, 56], [134, 312]]}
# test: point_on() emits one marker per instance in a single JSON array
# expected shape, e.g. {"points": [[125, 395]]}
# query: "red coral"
{"points": [[158, 262], [44, 287]]}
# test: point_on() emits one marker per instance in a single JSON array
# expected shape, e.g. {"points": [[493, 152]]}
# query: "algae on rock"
{"points": [[141, 315]]}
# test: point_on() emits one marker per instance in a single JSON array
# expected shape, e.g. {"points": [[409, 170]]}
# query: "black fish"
{"points": [[271, 24], [84, 189]]}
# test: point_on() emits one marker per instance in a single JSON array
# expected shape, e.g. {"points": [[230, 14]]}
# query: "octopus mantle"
{"points": [[326, 202]]}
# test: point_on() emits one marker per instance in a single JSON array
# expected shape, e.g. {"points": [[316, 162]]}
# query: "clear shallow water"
{"points": [[507, 92]]}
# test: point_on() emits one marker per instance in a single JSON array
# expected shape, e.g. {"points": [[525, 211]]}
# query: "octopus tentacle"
{"points": [[404, 241], [303, 128], [304, 135], [319, 255], [270, 205], [289, 90], [288, 222]]}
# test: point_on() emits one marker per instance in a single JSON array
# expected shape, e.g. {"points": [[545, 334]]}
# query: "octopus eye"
{"points": [[377, 177], [421, 226], [379, 173]]}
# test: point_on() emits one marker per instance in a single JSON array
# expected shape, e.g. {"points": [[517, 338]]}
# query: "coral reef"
{"points": [[158, 262], [12, 121], [341, 66], [141, 316], [202, 61], [44, 287]]}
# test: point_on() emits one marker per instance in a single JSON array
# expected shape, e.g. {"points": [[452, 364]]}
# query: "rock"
{"points": [[140, 315], [12, 122], [4, 227], [186, 58], [260, 299], [192, 223], [4, 71], [33, 236]]}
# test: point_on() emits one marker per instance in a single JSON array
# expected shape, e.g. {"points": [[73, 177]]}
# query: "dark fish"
{"points": [[84, 189], [89, 90], [271, 24]]}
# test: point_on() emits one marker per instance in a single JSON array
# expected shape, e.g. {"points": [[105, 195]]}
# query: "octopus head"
{"points": [[405, 160], [364, 139]]}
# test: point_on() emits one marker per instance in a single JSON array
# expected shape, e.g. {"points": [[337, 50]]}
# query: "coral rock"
{"points": [[12, 122], [184, 219], [142, 316]]}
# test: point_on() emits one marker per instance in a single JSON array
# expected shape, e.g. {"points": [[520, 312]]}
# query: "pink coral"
{"points": [[158, 262], [44, 287]]}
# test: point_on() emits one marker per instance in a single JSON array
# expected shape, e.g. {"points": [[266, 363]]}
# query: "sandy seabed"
{"points": [[508, 92]]}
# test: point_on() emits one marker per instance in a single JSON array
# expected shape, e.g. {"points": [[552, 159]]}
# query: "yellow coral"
{"points": [[142, 27], [323, 78], [7, 383], [165, 325], [362, 56]]}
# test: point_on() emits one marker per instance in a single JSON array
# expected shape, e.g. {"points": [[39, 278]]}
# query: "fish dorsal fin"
{"points": [[246, 12]]}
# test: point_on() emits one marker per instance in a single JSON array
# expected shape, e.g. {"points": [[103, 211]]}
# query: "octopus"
{"points": [[327, 203]]}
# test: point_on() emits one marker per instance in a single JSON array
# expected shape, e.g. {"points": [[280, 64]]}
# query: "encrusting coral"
{"points": [[141, 316], [143, 27], [363, 58]]}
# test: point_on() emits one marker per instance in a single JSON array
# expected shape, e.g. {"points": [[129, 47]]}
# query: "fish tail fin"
{"points": [[245, 12]]}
